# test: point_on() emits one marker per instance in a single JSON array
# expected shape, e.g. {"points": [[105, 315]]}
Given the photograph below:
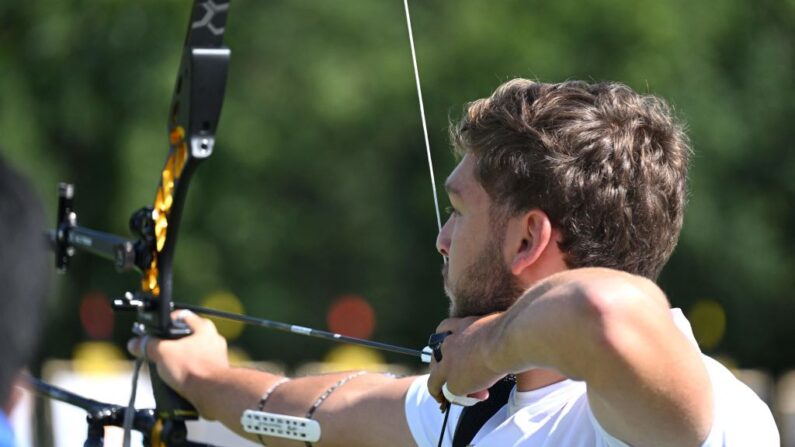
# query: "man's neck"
{"points": [[537, 378]]}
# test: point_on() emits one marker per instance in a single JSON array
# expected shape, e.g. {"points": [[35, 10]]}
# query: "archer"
{"points": [[567, 202]]}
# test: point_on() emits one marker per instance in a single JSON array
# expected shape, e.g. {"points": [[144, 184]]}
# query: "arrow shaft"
{"points": [[301, 330]]}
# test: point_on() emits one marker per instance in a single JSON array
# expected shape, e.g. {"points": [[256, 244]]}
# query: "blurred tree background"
{"points": [[318, 186]]}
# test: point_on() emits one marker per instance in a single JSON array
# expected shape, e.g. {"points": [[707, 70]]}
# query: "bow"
{"points": [[192, 121]]}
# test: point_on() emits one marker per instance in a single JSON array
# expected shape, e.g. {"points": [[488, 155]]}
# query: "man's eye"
{"points": [[451, 211]]}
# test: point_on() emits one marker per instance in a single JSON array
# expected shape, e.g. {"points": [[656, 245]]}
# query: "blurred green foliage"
{"points": [[318, 185]]}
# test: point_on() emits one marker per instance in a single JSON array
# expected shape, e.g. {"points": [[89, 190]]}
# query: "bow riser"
{"points": [[192, 123]]}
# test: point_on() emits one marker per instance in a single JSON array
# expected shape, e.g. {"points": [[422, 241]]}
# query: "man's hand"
{"points": [[200, 354], [465, 365]]}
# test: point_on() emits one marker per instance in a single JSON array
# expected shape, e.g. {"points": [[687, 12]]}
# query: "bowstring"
{"points": [[129, 413], [430, 163], [424, 122], [444, 425]]}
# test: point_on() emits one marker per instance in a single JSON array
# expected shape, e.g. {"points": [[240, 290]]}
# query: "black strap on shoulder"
{"points": [[473, 418]]}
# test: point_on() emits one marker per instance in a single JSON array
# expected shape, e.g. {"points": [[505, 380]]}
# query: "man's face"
{"points": [[476, 277]]}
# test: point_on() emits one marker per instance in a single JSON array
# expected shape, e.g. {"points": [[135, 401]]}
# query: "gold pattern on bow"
{"points": [[164, 200]]}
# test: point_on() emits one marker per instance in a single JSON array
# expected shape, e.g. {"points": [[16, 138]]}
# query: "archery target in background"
{"points": [[96, 316], [227, 302], [230, 330], [708, 319], [351, 315]]}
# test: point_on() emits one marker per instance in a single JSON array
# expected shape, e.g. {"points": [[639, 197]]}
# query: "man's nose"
{"points": [[443, 240]]}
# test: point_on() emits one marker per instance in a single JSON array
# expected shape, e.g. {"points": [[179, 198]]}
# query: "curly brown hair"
{"points": [[607, 165]]}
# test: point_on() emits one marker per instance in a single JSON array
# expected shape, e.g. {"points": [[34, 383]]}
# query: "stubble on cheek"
{"points": [[448, 291], [484, 287]]}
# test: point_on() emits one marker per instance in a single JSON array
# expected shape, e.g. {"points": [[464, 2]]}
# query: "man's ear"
{"points": [[534, 233]]}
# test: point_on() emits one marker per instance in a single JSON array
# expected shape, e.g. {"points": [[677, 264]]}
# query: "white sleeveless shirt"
{"points": [[559, 415]]}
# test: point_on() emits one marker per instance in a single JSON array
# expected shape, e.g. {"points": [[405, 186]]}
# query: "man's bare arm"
{"points": [[368, 410], [647, 384]]}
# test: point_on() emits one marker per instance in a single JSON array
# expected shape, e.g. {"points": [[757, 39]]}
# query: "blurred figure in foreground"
{"points": [[24, 276]]}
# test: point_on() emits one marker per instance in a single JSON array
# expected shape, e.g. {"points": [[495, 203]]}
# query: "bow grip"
{"points": [[170, 405]]}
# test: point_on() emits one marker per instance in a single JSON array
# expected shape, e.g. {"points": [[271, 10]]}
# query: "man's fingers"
{"points": [[448, 325], [187, 317], [145, 347], [148, 347], [455, 324], [435, 382], [135, 346], [480, 395], [464, 400], [435, 344], [193, 321]]}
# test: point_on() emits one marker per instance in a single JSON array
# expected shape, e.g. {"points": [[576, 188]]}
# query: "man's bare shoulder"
{"points": [[606, 286]]}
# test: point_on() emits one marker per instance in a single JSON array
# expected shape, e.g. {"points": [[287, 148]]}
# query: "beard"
{"points": [[485, 287]]}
